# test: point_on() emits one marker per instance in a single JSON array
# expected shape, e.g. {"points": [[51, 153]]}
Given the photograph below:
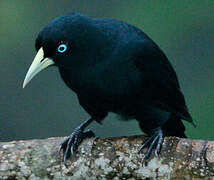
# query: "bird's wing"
{"points": [[159, 80]]}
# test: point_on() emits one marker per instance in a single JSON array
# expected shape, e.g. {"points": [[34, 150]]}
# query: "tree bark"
{"points": [[109, 158]]}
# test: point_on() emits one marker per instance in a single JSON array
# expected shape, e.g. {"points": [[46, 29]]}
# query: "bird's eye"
{"points": [[62, 48]]}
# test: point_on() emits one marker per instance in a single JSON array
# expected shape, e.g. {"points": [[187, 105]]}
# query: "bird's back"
{"points": [[129, 67], [152, 68]]}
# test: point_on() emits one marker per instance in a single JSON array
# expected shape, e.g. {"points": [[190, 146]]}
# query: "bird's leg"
{"points": [[70, 145], [154, 141]]}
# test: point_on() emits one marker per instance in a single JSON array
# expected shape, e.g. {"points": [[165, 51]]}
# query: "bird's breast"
{"points": [[109, 83]]}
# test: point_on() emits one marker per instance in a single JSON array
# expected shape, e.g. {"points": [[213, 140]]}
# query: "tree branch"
{"points": [[109, 158]]}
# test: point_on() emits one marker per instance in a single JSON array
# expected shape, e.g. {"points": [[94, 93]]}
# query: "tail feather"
{"points": [[174, 127]]}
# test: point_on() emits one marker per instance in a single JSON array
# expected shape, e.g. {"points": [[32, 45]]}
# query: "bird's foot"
{"points": [[70, 145], [154, 141]]}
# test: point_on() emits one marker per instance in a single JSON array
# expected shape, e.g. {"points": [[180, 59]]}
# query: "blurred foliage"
{"points": [[183, 29]]}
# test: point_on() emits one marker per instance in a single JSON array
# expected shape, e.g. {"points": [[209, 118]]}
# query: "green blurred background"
{"points": [[184, 29]]}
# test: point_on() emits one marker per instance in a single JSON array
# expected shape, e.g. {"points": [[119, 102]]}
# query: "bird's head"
{"points": [[68, 42]]}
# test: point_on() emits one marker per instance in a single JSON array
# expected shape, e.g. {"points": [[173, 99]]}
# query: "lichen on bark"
{"points": [[109, 158]]}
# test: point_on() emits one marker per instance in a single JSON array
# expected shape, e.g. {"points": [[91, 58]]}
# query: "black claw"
{"points": [[149, 151], [151, 142], [147, 143], [63, 146], [70, 145], [67, 153], [158, 147], [75, 144]]}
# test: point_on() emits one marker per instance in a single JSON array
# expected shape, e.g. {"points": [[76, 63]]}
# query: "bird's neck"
{"points": [[76, 78]]}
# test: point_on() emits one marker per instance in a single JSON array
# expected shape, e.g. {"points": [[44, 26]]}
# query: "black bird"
{"points": [[113, 67]]}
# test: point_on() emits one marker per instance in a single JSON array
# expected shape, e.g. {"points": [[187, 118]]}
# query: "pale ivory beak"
{"points": [[39, 63]]}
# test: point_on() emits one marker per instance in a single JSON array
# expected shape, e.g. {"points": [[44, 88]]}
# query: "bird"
{"points": [[113, 66]]}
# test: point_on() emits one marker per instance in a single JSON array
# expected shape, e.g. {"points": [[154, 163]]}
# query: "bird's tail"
{"points": [[174, 127]]}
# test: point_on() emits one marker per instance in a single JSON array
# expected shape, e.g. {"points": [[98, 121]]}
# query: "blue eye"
{"points": [[62, 48]]}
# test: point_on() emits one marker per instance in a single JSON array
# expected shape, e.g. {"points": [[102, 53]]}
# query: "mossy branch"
{"points": [[109, 158]]}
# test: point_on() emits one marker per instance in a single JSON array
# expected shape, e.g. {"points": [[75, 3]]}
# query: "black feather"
{"points": [[115, 67]]}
